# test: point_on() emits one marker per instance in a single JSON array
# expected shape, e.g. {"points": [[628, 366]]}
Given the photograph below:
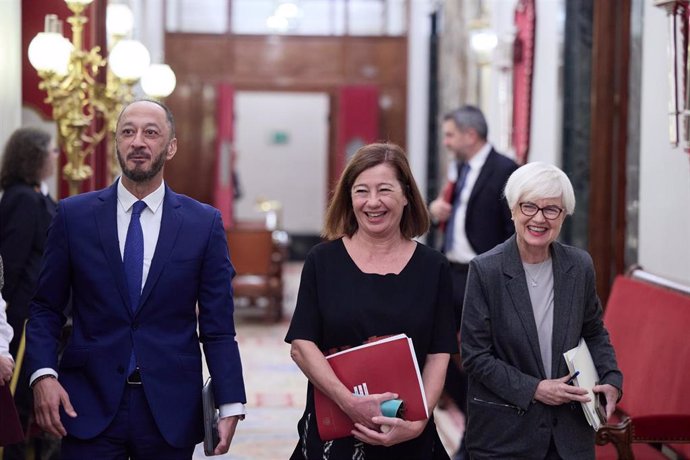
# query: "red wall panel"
{"points": [[358, 122]]}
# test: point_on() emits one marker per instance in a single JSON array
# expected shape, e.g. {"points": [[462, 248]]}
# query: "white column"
{"points": [[418, 88], [11, 65]]}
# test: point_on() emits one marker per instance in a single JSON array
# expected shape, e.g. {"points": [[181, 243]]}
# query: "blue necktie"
{"points": [[133, 260], [463, 169], [133, 257]]}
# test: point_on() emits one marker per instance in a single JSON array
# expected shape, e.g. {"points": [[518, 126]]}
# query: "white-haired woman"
{"points": [[528, 301]]}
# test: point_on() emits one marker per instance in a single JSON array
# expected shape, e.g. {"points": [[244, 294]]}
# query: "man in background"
{"points": [[473, 215], [137, 258]]}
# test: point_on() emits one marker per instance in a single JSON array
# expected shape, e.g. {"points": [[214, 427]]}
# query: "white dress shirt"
{"points": [[462, 251], [150, 221]]}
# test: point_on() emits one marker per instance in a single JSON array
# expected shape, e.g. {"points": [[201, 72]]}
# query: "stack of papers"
{"points": [[579, 360]]}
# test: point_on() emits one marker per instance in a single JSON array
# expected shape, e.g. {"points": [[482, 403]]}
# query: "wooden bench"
{"points": [[258, 262], [649, 326]]}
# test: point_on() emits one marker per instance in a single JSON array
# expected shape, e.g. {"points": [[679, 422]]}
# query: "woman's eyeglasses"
{"points": [[549, 212]]}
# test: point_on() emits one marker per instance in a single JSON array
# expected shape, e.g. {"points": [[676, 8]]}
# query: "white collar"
{"points": [[480, 157], [153, 200]]}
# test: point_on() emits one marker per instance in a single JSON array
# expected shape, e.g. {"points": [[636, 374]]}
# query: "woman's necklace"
{"points": [[534, 278]]}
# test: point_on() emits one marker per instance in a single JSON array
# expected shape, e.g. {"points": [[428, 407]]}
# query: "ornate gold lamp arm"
{"points": [[70, 95], [68, 75]]}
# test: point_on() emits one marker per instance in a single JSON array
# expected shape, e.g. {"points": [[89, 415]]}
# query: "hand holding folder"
{"points": [[218, 432], [584, 375], [211, 414], [386, 365]]}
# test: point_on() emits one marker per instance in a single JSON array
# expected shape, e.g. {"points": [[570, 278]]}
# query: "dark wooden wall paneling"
{"points": [[610, 60], [273, 63]]}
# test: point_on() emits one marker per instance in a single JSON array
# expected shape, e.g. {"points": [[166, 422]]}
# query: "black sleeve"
{"points": [[306, 321]]}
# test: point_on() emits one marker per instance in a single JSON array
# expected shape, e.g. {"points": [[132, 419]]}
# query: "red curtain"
{"points": [[223, 186], [523, 70], [357, 122]]}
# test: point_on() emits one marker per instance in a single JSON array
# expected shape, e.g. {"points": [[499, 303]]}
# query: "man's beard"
{"points": [[136, 175]]}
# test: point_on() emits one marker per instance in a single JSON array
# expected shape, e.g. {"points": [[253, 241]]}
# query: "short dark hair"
{"points": [[469, 117], [340, 216], [168, 113], [25, 154]]}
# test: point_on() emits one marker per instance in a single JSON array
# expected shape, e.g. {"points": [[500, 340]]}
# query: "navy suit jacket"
{"points": [[500, 351], [190, 265]]}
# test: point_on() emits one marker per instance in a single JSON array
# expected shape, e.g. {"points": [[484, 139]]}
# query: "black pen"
{"points": [[572, 378]]}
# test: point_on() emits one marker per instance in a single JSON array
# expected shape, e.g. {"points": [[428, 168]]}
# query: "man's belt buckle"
{"points": [[134, 378]]}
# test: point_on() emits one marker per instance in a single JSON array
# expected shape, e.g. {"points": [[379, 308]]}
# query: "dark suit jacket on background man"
{"points": [[487, 219]]}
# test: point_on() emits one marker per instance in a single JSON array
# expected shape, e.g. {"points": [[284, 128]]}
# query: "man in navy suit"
{"points": [[472, 212], [129, 382]]}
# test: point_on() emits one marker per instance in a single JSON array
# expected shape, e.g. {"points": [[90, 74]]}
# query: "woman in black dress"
{"points": [[372, 279], [25, 214]]}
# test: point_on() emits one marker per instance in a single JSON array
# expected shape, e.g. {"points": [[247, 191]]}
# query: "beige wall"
{"points": [[664, 229]]}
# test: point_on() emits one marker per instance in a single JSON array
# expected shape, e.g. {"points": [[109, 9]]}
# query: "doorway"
{"points": [[282, 146]]}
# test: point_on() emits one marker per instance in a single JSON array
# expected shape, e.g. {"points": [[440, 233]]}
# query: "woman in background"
{"points": [[529, 300], [26, 211], [372, 279]]}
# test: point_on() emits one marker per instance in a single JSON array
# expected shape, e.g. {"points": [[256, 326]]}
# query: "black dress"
{"points": [[25, 214], [339, 306]]}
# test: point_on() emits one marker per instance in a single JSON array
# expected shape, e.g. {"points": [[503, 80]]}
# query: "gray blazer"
{"points": [[500, 352]]}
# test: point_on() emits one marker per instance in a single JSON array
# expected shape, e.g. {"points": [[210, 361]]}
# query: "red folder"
{"points": [[377, 367], [447, 195]]}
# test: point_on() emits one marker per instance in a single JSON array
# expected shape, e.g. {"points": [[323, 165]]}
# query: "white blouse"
{"points": [[6, 332]]}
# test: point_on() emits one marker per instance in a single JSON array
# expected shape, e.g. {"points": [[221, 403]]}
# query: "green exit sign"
{"points": [[280, 137]]}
